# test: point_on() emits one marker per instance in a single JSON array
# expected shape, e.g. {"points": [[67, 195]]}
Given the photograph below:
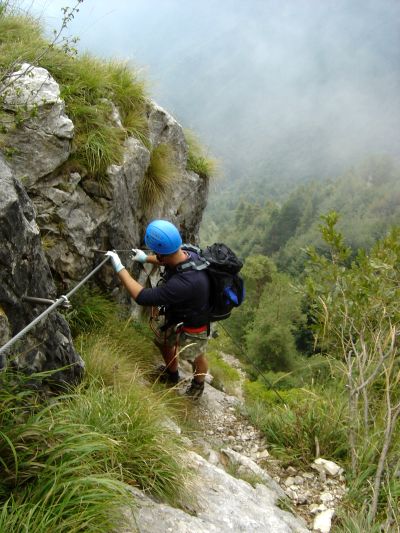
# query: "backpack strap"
{"points": [[192, 248], [200, 263], [193, 265]]}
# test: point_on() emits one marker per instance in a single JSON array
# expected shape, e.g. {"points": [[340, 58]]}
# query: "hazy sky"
{"points": [[282, 87]]}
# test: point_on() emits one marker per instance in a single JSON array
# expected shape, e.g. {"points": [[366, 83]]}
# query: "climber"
{"points": [[184, 296]]}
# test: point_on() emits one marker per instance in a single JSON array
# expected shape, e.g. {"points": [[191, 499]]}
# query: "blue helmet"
{"points": [[162, 237]]}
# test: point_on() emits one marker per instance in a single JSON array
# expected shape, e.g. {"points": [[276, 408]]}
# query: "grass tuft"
{"points": [[51, 469], [159, 178], [88, 85], [197, 161]]}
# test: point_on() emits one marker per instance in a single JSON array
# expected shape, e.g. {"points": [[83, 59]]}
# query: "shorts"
{"points": [[189, 345]]}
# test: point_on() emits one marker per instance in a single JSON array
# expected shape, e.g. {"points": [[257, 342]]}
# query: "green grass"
{"points": [[225, 377], [90, 310], [66, 463], [159, 178], [148, 454], [197, 160], [51, 470], [87, 85], [308, 420]]}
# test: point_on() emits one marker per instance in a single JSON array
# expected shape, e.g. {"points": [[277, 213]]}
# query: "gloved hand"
{"points": [[116, 261], [138, 255]]}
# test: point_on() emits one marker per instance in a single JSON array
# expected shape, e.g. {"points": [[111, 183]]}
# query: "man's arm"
{"points": [[130, 284]]}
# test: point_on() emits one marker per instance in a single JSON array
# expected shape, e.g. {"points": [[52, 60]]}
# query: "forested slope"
{"points": [[280, 220]]}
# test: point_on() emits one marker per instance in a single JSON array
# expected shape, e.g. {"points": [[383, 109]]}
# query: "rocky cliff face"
{"points": [[54, 218], [24, 271]]}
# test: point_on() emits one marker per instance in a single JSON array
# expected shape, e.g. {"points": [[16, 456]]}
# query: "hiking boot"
{"points": [[195, 390], [165, 376]]}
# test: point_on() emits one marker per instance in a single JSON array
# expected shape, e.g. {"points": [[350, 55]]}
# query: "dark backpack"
{"points": [[222, 267]]}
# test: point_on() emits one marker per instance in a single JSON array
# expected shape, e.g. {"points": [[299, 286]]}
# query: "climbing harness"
{"points": [[61, 301]]}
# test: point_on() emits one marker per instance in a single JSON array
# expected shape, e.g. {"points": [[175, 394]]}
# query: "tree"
{"points": [[357, 319], [270, 337]]}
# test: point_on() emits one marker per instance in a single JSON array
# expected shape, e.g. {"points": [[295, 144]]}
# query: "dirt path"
{"points": [[221, 423]]}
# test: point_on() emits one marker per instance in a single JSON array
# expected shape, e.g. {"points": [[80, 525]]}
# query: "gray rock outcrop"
{"points": [[224, 505], [43, 139], [24, 272], [76, 214], [68, 215]]}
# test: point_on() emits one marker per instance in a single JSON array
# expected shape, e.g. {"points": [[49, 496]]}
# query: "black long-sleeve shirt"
{"points": [[185, 296]]}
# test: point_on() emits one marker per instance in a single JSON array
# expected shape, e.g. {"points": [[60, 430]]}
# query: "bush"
{"points": [[307, 371]]}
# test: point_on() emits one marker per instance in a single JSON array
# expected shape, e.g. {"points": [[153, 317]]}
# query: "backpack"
{"points": [[226, 286]]}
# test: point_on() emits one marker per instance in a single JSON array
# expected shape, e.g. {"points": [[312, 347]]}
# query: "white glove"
{"points": [[138, 255], [116, 261]]}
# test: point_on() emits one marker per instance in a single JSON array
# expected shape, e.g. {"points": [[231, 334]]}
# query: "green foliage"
{"points": [[88, 86], [257, 273], [149, 454], [39, 440], [269, 339], [357, 319], [160, 176], [90, 310], [365, 293], [310, 422], [225, 377], [109, 432], [113, 345], [307, 371], [258, 220], [197, 161]]}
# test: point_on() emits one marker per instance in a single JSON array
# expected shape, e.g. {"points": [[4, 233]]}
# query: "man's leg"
{"points": [[200, 368], [171, 358], [196, 387]]}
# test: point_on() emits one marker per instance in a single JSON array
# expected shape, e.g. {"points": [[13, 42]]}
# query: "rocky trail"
{"points": [[240, 486]]}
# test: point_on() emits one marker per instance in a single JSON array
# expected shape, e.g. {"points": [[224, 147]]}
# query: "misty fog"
{"points": [[274, 88]]}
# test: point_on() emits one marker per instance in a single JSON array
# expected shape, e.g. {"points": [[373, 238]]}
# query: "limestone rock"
{"points": [[43, 141], [25, 272], [164, 129], [71, 225], [225, 505], [77, 214], [323, 521], [126, 213], [327, 467], [253, 468]]}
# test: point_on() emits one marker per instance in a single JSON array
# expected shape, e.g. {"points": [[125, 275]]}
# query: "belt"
{"points": [[194, 330]]}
